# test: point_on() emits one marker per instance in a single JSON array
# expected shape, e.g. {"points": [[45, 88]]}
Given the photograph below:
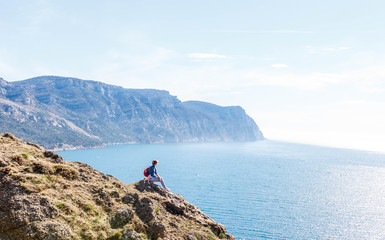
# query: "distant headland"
{"points": [[66, 113]]}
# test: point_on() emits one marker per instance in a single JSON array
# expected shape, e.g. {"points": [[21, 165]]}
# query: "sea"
{"points": [[265, 189]]}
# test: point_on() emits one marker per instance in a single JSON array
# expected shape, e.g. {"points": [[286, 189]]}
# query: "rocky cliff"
{"points": [[44, 197], [60, 112]]}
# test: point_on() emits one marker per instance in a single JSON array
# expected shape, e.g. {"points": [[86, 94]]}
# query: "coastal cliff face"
{"points": [[44, 197], [59, 112]]}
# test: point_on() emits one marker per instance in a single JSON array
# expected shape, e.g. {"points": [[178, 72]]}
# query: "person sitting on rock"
{"points": [[154, 177]]}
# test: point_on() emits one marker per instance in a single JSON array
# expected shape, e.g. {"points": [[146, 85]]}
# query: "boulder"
{"points": [[130, 234], [174, 207], [144, 208], [121, 217], [54, 156], [130, 198], [157, 230], [50, 231]]}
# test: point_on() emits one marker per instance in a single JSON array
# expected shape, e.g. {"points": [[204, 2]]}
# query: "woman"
{"points": [[154, 177]]}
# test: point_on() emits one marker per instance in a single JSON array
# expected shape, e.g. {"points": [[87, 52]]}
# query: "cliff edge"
{"points": [[44, 197]]}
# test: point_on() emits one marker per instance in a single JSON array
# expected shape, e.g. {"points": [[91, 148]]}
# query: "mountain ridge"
{"points": [[70, 112]]}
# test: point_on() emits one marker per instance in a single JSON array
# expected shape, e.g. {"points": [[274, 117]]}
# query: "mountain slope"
{"points": [[44, 197], [72, 112]]}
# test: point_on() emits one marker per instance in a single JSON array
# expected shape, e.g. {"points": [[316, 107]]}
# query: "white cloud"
{"points": [[321, 50], [304, 81], [279, 65], [205, 55], [264, 31], [330, 49]]}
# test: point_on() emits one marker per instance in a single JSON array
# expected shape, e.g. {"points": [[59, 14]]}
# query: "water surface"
{"points": [[264, 190]]}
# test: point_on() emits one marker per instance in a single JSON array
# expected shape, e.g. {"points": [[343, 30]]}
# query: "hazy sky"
{"points": [[306, 71]]}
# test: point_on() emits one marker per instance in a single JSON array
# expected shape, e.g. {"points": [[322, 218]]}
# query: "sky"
{"points": [[306, 71]]}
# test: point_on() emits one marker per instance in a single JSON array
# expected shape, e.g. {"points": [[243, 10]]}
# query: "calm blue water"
{"points": [[264, 190]]}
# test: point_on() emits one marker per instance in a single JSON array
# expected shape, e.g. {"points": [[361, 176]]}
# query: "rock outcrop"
{"points": [[44, 197], [61, 112]]}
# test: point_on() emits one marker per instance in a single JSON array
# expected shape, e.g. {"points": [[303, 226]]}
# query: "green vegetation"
{"points": [[88, 207], [197, 237], [26, 156], [36, 181], [143, 235], [210, 237], [48, 177], [157, 209], [116, 236], [59, 205], [222, 236], [97, 219], [51, 179]]}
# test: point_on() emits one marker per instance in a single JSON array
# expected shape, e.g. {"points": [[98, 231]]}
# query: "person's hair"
{"points": [[154, 162]]}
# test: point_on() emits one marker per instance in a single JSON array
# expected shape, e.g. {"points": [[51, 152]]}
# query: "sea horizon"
{"points": [[266, 139]]}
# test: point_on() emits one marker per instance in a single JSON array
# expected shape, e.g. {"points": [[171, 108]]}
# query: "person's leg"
{"points": [[163, 184], [156, 179]]}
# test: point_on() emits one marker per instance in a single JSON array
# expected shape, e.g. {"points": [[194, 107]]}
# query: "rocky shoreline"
{"points": [[44, 197]]}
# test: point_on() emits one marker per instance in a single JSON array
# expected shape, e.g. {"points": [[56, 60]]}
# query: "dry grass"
{"points": [[86, 200], [66, 171]]}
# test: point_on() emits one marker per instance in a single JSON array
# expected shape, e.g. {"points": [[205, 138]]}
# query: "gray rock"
{"points": [[41, 168], [218, 228], [121, 217], [130, 198], [190, 237], [130, 234], [144, 208], [20, 209], [50, 231], [157, 230], [115, 194], [175, 207], [54, 156], [143, 186]]}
